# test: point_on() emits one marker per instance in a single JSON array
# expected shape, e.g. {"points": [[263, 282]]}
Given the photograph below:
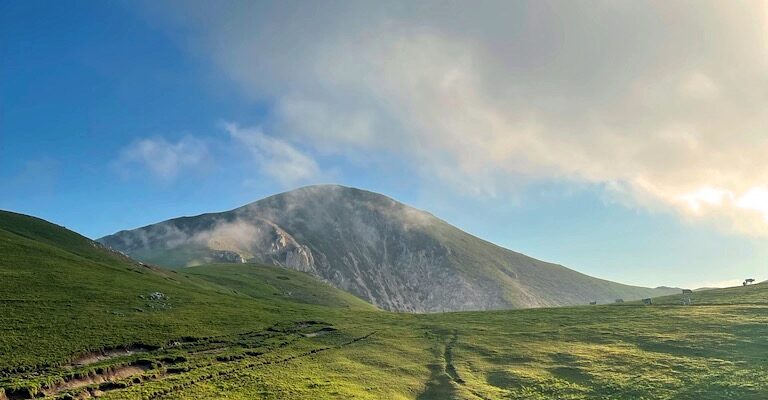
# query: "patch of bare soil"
{"points": [[320, 332], [96, 356], [109, 376]]}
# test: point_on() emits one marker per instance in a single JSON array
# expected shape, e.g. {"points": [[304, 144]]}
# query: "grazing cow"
{"points": [[619, 300], [687, 291], [648, 301], [592, 303]]}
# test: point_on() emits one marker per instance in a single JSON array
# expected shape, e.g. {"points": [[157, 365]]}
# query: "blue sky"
{"points": [[117, 115]]}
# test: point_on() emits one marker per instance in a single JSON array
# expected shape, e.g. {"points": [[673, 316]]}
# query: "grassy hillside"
{"points": [[77, 319], [757, 293], [62, 295], [276, 283]]}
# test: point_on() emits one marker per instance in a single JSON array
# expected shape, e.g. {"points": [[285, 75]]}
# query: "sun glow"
{"points": [[706, 196], [756, 199]]}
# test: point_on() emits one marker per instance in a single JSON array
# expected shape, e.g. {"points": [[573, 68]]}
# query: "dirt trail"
{"points": [[448, 356], [96, 356], [444, 378], [110, 376]]}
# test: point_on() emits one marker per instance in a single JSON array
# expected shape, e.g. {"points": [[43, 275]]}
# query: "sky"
{"points": [[624, 139]]}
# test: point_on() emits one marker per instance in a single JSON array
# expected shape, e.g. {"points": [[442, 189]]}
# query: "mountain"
{"points": [[392, 255]]}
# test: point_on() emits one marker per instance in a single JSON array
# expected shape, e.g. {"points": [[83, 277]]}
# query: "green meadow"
{"points": [[78, 320]]}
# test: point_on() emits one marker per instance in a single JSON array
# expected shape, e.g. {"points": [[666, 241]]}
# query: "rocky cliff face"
{"points": [[383, 251]]}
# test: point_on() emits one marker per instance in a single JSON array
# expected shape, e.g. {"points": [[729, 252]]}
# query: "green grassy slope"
{"points": [[268, 282], [72, 321], [602, 352], [61, 295], [757, 293]]}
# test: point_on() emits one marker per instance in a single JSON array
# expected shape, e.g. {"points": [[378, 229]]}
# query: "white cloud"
{"points": [[163, 159], [705, 197], [756, 199], [668, 106], [277, 158], [699, 86]]}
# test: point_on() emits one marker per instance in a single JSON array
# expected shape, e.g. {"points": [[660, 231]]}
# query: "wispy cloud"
{"points": [[162, 159], [243, 148], [666, 106], [278, 159]]}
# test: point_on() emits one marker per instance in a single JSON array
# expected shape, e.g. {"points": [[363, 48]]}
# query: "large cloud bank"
{"points": [[665, 104]]}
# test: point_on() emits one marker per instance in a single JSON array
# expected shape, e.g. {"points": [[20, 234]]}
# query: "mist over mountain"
{"points": [[392, 255]]}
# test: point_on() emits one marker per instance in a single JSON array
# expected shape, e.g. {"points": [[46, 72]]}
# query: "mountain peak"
{"points": [[329, 192]]}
